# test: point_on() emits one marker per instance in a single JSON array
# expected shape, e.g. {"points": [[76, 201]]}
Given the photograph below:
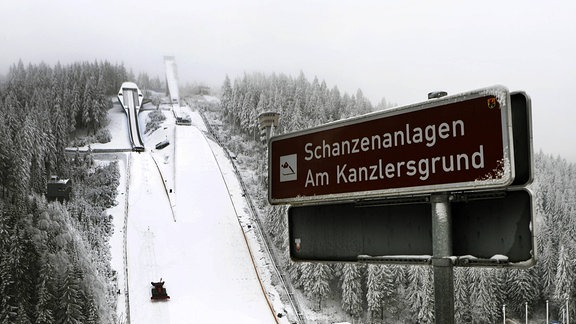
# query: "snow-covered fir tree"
{"points": [[352, 292], [316, 281], [420, 293], [375, 291]]}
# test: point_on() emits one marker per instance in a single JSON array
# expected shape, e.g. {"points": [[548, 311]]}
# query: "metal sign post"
{"points": [[442, 250], [441, 261]]}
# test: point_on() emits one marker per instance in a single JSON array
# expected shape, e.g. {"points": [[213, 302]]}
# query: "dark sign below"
{"points": [[343, 232], [487, 228]]}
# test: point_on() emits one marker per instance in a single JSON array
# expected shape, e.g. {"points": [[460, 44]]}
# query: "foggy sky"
{"points": [[400, 50]]}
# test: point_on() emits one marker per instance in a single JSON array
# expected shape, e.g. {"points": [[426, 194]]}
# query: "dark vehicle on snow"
{"points": [[159, 292], [163, 144]]}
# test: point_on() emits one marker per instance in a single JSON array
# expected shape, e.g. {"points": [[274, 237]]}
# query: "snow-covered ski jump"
{"points": [[130, 98]]}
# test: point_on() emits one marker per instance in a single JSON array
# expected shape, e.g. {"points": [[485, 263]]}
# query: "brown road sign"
{"points": [[460, 142]]}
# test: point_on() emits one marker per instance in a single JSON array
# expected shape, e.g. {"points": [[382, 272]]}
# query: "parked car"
{"points": [[162, 144]]}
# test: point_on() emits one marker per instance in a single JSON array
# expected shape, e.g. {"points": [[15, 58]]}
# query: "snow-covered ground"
{"points": [[185, 220]]}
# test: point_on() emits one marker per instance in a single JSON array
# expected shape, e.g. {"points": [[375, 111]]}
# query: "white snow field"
{"points": [[183, 227], [200, 254]]}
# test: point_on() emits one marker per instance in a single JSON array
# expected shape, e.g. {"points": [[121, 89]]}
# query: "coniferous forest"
{"points": [[393, 293], [55, 255]]}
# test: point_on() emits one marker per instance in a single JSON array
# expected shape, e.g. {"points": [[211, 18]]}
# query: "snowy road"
{"points": [[201, 254]]}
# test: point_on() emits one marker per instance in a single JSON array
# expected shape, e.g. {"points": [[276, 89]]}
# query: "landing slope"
{"points": [[199, 251]]}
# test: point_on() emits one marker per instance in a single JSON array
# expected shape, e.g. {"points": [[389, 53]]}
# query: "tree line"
{"points": [[391, 293], [301, 103], [55, 257]]}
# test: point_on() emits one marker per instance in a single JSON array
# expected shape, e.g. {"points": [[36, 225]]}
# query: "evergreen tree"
{"points": [[462, 293], [316, 281], [69, 308], [45, 304], [392, 286], [6, 156], [421, 293], [296, 121], [522, 286], [384, 283], [295, 272], [375, 291], [100, 102], [485, 307], [60, 135], [362, 105], [88, 104], [227, 97], [22, 316], [313, 106], [277, 223], [15, 280], [564, 281], [548, 257], [90, 312], [334, 107], [352, 289], [8, 300]]}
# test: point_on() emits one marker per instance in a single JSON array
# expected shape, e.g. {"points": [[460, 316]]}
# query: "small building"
{"points": [[58, 189]]}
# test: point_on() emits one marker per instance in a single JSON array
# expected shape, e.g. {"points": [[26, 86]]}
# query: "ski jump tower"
{"points": [[172, 80]]}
